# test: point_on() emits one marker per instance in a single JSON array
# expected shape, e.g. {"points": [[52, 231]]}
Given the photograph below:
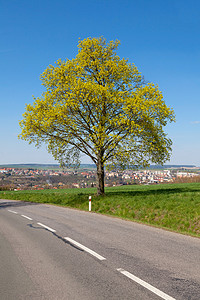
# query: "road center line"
{"points": [[27, 217], [48, 228], [12, 211], [146, 285], [85, 248]]}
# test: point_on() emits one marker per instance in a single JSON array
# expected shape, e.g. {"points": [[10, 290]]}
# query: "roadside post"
{"points": [[90, 204]]}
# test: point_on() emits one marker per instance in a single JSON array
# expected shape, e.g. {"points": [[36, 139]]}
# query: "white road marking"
{"points": [[12, 211], [122, 271], [48, 228], [85, 248], [146, 285], [27, 217]]}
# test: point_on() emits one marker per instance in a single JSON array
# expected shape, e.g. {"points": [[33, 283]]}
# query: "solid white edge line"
{"points": [[12, 211], [146, 285], [49, 228], [27, 217], [85, 248]]}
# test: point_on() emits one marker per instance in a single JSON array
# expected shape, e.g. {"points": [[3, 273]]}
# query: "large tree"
{"points": [[99, 105]]}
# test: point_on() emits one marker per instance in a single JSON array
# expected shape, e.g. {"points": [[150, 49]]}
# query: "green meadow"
{"points": [[175, 207]]}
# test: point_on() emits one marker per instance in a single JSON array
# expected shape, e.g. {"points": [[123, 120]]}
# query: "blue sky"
{"points": [[160, 37]]}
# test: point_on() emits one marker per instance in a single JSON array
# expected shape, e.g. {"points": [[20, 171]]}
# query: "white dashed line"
{"points": [[85, 248], [27, 217], [122, 271], [146, 285], [48, 228], [12, 211]]}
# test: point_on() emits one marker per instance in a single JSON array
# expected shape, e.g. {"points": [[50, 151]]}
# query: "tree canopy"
{"points": [[99, 105]]}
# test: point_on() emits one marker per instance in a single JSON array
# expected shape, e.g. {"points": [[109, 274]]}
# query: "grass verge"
{"points": [[174, 207]]}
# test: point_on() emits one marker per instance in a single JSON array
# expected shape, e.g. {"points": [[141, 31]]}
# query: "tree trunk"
{"points": [[100, 177]]}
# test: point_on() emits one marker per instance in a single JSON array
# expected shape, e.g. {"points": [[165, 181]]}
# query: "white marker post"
{"points": [[90, 203]]}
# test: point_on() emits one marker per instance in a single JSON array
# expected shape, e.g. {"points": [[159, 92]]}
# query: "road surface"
{"points": [[50, 252]]}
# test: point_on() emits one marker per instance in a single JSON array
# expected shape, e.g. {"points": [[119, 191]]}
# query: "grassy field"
{"points": [[171, 206]]}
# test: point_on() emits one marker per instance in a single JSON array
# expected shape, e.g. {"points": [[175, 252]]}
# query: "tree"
{"points": [[99, 105]]}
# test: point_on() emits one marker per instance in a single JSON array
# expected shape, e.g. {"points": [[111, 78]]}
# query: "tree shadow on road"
{"points": [[11, 203]]}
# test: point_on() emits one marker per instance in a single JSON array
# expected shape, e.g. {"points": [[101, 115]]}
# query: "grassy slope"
{"points": [[172, 206]]}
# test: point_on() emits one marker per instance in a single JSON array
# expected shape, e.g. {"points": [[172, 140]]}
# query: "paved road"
{"points": [[50, 252]]}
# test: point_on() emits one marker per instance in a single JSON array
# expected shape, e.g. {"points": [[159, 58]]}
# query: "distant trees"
{"points": [[99, 105], [6, 187], [187, 179]]}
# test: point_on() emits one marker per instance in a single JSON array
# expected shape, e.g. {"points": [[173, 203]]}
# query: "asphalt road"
{"points": [[49, 252]]}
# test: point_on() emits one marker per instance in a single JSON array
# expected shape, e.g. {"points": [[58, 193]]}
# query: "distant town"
{"points": [[38, 177]]}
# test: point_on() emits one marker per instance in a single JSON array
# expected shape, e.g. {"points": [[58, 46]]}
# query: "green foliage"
{"points": [[99, 105], [172, 206]]}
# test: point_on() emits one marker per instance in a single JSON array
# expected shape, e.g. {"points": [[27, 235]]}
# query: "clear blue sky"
{"points": [[160, 37]]}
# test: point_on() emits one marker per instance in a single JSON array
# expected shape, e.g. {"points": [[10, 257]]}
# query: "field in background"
{"points": [[171, 206]]}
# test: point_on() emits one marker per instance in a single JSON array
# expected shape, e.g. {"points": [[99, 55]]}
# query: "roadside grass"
{"points": [[174, 207]]}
